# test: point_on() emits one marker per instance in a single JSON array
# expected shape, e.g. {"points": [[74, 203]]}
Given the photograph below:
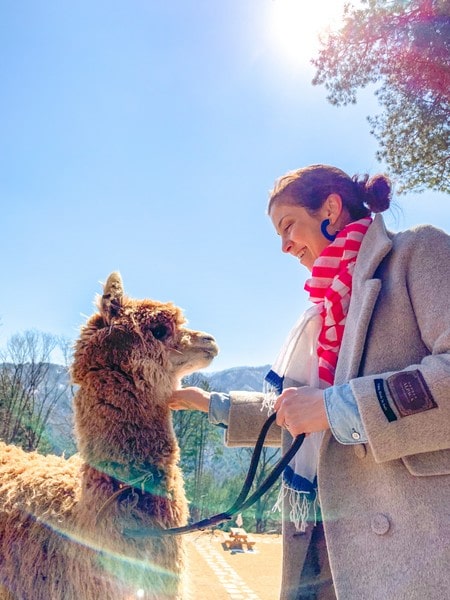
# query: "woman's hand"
{"points": [[190, 398], [301, 410]]}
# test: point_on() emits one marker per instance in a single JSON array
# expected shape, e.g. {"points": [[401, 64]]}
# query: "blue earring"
{"points": [[323, 229]]}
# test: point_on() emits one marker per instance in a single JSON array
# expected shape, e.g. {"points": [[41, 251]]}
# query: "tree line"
{"points": [[29, 390], [402, 48], [214, 474]]}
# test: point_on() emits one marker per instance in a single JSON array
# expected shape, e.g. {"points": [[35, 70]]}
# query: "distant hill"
{"points": [[246, 379]]}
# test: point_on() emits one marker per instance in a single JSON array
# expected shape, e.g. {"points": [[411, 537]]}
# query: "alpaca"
{"points": [[62, 521]]}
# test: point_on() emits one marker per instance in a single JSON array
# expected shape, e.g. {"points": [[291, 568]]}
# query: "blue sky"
{"points": [[144, 136]]}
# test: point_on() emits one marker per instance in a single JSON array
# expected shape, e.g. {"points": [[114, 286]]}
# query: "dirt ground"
{"points": [[216, 573]]}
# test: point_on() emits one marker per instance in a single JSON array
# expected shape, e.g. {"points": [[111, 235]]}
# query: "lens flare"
{"points": [[294, 27]]}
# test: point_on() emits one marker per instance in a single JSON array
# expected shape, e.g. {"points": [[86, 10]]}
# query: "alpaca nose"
{"points": [[207, 337], [209, 341]]}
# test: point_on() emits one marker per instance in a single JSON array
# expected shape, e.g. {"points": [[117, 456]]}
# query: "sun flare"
{"points": [[295, 26]]}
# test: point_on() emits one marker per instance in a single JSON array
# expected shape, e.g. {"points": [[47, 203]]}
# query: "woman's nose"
{"points": [[286, 245]]}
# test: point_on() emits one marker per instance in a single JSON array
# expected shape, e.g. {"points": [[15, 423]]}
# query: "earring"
{"points": [[323, 228]]}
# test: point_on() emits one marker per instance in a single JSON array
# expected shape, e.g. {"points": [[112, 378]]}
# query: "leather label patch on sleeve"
{"points": [[410, 393]]}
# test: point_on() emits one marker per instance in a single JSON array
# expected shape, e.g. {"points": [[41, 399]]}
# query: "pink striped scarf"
{"points": [[330, 284]]}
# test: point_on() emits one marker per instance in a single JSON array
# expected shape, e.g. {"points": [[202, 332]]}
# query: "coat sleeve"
{"points": [[246, 419], [406, 412]]}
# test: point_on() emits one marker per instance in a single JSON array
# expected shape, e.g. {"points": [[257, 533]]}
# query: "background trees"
{"points": [[196, 439], [214, 474], [404, 47], [29, 389]]}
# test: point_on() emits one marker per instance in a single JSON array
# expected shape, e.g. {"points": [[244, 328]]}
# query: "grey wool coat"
{"points": [[385, 504]]}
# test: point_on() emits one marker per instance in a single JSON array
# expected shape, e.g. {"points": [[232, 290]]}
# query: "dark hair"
{"points": [[310, 187]]}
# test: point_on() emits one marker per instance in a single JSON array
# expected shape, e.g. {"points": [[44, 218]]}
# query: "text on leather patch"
{"points": [[410, 393]]}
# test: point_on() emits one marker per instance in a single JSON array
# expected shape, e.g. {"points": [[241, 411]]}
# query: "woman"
{"points": [[366, 373]]}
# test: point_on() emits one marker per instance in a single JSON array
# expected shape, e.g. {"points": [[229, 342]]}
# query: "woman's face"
{"points": [[300, 231]]}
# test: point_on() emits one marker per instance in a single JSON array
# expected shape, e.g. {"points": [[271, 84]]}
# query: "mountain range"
{"points": [[246, 379]]}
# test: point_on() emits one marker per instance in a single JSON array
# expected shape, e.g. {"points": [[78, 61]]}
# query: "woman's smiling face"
{"points": [[299, 231]]}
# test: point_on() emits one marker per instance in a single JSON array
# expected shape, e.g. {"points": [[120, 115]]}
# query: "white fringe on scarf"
{"points": [[297, 362]]}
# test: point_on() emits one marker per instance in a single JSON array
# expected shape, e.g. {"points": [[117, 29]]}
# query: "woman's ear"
{"points": [[333, 206]]}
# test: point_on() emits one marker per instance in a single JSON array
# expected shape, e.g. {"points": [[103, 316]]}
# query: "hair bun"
{"points": [[374, 191]]}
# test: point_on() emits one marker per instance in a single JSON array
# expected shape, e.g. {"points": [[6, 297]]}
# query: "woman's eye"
{"points": [[286, 229], [160, 332]]}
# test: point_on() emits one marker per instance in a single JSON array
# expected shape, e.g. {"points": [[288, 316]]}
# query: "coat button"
{"points": [[355, 435], [360, 450], [380, 524]]}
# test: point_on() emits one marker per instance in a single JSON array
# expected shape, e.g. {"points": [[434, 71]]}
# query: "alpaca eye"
{"points": [[160, 332]]}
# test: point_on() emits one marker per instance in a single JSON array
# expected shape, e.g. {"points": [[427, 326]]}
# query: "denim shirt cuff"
{"points": [[219, 409], [343, 415]]}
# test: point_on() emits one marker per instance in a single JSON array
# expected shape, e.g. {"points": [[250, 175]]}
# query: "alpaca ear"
{"points": [[111, 301]]}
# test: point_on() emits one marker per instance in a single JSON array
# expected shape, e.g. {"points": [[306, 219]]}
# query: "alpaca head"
{"points": [[128, 360], [146, 337]]}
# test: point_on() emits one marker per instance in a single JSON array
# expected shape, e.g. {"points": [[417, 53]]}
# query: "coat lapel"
{"points": [[365, 290]]}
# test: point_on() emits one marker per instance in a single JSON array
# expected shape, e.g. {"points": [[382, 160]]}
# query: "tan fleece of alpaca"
{"points": [[60, 534]]}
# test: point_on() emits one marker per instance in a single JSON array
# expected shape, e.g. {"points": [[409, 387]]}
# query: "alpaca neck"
{"points": [[128, 437]]}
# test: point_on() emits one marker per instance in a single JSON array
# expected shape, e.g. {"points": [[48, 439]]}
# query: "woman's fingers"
{"points": [[301, 410]]}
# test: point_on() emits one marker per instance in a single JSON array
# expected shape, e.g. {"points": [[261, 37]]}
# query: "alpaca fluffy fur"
{"points": [[62, 521]]}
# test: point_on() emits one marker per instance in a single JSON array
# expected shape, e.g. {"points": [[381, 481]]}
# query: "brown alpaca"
{"points": [[61, 521]]}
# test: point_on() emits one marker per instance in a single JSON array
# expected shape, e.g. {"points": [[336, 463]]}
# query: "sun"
{"points": [[294, 27]]}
